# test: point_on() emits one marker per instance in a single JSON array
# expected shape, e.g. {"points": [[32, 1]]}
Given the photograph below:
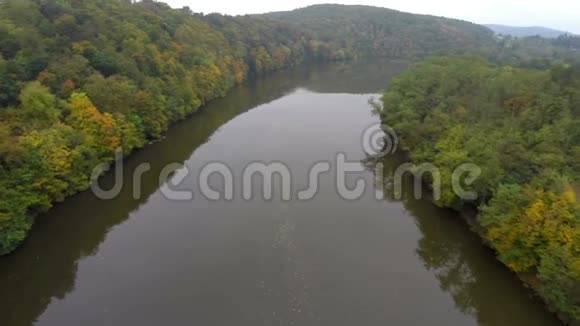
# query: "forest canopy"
{"points": [[371, 31]]}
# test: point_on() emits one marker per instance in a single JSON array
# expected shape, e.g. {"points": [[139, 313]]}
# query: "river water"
{"points": [[322, 261]]}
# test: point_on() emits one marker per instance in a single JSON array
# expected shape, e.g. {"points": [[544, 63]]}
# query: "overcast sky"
{"points": [[559, 14]]}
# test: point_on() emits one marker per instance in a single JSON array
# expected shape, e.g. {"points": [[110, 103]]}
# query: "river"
{"points": [[322, 261]]}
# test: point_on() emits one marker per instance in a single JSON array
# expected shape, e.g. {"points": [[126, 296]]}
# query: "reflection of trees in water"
{"points": [[354, 77], [438, 253], [454, 274], [479, 285], [45, 268]]}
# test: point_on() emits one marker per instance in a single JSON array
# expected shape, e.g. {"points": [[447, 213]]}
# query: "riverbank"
{"points": [[522, 157]]}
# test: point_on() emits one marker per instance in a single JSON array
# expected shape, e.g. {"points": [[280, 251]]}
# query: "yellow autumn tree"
{"points": [[208, 78], [99, 127], [549, 221], [56, 158]]}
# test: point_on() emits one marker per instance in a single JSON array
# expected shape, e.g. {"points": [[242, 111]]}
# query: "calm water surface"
{"points": [[326, 261]]}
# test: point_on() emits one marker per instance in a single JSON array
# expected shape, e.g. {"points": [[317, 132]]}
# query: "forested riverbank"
{"points": [[522, 128]]}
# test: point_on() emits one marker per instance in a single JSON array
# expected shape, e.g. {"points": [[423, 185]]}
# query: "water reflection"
{"points": [[332, 250], [45, 268], [463, 267]]}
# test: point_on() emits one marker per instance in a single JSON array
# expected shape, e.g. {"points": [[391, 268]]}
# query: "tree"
{"points": [[38, 106], [112, 94], [11, 149], [99, 128]]}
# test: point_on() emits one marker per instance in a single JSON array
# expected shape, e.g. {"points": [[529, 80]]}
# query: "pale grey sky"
{"points": [[559, 14]]}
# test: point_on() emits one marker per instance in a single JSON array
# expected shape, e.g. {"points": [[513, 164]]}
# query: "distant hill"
{"points": [[384, 32], [526, 31]]}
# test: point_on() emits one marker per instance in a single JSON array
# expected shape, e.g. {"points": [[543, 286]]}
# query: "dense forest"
{"points": [[525, 31], [522, 128], [362, 31], [536, 52]]}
